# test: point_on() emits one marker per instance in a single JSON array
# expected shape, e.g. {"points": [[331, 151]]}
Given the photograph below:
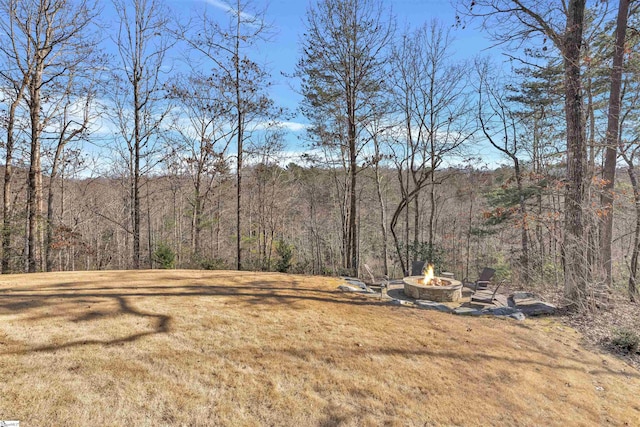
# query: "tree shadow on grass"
{"points": [[161, 325], [55, 301]]}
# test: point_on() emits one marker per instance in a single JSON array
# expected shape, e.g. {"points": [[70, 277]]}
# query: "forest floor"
{"points": [[600, 324], [154, 348], [600, 327]]}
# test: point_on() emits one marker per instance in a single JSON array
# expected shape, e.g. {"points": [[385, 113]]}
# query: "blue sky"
{"points": [[288, 18]]}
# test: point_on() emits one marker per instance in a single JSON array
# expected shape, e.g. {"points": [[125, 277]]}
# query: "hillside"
{"points": [[196, 348]]}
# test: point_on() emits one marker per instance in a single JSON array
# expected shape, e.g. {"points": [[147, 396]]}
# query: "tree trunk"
{"points": [[407, 259], [633, 287], [575, 279], [591, 117], [50, 203], [432, 154], [196, 221], [432, 202], [394, 222], [611, 150], [240, 138], [218, 216], [524, 259], [537, 169], [34, 253], [469, 229], [8, 174], [383, 219], [353, 231], [149, 230], [352, 254], [6, 202], [239, 194], [135, 186], [416, 229]]}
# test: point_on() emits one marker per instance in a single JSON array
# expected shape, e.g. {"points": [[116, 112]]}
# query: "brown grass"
{"points": [[192, 348]]}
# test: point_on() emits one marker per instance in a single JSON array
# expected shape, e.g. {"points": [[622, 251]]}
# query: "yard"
{"points": [[182, 347]]}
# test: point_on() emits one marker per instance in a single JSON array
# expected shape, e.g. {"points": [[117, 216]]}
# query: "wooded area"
{"points": [[159, 145]]}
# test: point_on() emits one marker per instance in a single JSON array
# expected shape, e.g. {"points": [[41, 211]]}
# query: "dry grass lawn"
{"points": [[194, 348]]}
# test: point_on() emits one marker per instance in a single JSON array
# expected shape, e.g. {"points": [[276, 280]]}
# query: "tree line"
{"points": [[155, 141]]}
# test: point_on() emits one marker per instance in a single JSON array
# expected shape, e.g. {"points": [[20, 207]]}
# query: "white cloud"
{"points": [[294, 126], [286, 125], [283, 158], [222, 5]]}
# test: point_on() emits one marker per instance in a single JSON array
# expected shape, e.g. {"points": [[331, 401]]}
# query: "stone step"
{"points": [[485, 297]]}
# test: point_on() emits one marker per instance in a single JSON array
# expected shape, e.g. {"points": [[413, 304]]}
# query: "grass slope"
{"points": [[197, 348]]}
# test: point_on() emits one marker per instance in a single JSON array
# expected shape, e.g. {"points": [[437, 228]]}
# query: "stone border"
{"points": [[503, 312], [447, 293]]}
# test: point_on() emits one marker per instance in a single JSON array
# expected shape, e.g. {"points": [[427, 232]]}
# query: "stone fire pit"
{"points": [[449, 290]]}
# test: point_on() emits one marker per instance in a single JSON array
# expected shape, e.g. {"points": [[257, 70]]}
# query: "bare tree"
{"points": [[225, 46], [48, 38], [430, 95], [379, 132], [72, 117], [630, 153], [200, 124], [271, 197], [142, 42], [14, 84]]}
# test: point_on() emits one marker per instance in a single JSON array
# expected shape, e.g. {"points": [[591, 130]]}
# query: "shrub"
{"points": [[626, 340], [212, 264], [301, 267], [164, 256], [284, 251], [346, 272]]}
